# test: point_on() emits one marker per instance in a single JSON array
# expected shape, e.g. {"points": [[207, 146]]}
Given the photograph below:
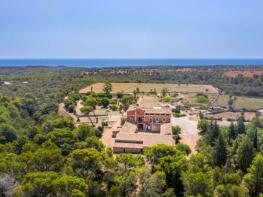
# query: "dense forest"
{"points": [[48, 80], [43, 154]]}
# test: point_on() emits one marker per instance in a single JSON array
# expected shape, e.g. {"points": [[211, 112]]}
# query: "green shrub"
{"points": [[202, 98], [167, 98], [114, 107]]}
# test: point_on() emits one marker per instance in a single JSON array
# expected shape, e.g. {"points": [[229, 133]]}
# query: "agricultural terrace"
{"points": [[149, 87], [250, 104]]}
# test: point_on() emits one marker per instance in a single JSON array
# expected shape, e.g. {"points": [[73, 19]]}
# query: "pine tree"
{"points": [[220, 152], [253, 180]]}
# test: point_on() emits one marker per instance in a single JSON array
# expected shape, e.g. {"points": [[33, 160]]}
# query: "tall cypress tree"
{"points": [[255, 141], [232, 132], [220, 152], [245, 153], [213, 132], [241, 125]]}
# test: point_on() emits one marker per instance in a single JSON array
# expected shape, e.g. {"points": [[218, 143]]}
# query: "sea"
{"points": [[90, 63]]}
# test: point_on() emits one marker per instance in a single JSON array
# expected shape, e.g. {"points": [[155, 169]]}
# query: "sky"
{"points": [[131, 29]]}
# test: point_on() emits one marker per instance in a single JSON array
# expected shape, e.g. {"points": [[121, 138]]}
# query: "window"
{"points": [[157, 119], [150, 119]]}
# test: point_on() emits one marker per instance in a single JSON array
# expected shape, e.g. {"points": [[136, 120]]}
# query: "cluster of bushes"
{"points": [[105, 100], [177, 112], [202, 98]]}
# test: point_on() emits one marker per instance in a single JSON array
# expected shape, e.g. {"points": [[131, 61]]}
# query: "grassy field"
{"points": [[242, 102], [147, 87]]}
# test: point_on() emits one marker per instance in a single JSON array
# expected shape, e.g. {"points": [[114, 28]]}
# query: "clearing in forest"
{"points": [[149, 87]]}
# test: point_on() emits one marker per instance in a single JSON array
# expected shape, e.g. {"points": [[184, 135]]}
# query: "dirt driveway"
{"points": [[189, 132]]}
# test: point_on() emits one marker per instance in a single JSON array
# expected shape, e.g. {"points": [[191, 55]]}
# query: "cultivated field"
{"points": [[242, 102], [148, 87], [245, 73]]}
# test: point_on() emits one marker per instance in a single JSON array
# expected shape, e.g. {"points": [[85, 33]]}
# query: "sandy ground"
{"points": [[62, 111], [78, 107], [189, 132], [148, 101]]}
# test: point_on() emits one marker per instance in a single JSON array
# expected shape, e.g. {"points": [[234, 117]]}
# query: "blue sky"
{"points": [[131, 29]]}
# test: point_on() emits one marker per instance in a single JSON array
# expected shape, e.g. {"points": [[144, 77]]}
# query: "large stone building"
{"points": [[149, 119], [144, 128]]}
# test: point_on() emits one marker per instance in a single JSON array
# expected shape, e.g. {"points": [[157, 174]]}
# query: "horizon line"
{"points": [[134, 58]]}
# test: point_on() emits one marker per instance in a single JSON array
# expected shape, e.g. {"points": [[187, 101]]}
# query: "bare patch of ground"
{"points": [[232, 116], [189, 132], [148, 101], [63, 112]]}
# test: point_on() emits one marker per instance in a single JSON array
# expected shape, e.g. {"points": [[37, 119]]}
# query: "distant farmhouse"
{"points": [[260, 112], [144, 128]]}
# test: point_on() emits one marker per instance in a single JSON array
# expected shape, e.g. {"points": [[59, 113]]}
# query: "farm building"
{"points": [[149, 119], [260, 112], [144, 128]]}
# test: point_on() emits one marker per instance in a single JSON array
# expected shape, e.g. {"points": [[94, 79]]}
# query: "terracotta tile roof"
{"points": [[153, 110], [158, 111], [128, 128], [149, 139]]}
